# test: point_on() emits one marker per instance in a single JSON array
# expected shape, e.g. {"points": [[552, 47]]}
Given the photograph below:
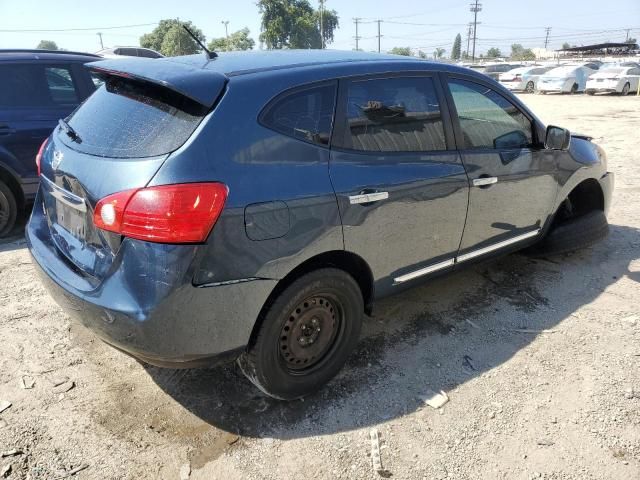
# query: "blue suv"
{"points": [[253, 206], [37, 88]]}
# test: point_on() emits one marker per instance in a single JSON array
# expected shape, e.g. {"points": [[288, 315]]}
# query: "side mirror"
{"points": [[557, 138]]}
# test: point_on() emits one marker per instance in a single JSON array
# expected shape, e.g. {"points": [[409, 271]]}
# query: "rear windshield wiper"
{"points": [[68, 129]]}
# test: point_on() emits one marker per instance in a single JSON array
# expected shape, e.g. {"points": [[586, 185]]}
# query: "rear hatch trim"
{"points": [[199, 84]]}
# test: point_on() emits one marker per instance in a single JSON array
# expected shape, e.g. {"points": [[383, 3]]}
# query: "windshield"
{"points": [[130, 119]]}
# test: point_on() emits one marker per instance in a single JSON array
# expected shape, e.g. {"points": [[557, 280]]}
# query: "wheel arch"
{"points": [[584, 197], [347, 261]]}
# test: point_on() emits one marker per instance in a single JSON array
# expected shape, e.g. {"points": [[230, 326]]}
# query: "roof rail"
{"points": [[37, 50]]}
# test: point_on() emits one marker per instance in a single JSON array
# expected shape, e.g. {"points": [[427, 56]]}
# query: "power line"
{"points": [[76, 29]]}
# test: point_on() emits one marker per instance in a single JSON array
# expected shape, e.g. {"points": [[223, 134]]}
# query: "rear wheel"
{"points": [[8, 210], [530, 88], [625, 89], [306, 335], [591, 92], [574, 88]]}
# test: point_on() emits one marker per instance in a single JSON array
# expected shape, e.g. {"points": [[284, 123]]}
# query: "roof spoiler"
{"points": [[200, 85]]}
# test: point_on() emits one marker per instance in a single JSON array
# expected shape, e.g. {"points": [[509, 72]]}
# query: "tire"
{"points": [[591, 92], [574, 89], [8, 210], [530, 88], [306, 335], [573, 234], [625, 89]]}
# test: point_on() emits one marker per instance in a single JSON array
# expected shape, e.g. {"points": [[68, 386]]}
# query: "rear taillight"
{"points": [[183, 213], [39, 155]]}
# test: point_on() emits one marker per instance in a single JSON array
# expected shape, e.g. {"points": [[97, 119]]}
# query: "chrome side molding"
{"points": [[496, 246], [368, 197], [461, 258]]}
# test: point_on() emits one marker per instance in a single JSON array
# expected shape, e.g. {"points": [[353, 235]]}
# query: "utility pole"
{"points": [[321, 23], [469, 32], [379, 35], [475, 8], [226, 28], [627, 39], [356, 20], [102, 46], [546, 38]]}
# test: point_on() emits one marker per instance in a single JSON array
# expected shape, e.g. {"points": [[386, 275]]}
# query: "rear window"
{"points": [[37, 86], [129, 119]]}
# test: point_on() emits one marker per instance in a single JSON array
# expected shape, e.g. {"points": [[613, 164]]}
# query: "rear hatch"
{"points": [[116, 141]]}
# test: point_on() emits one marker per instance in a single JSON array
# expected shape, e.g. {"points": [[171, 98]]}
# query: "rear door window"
{"points": [[62, 88], [398, 114], [305, 114], [129, 119]]}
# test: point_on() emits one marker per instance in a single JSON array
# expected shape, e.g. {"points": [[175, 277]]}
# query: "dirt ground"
{"points": [[540, 360]]}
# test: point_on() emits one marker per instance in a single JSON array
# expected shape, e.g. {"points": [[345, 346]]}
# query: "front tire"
{"points": [[306, 335], [573, 234], [574, 89], [8, 210], [530, 88]]}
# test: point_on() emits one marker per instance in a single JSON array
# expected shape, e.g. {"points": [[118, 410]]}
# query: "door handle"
{"points": [[6, 130], [484, 181], [368, 197]]}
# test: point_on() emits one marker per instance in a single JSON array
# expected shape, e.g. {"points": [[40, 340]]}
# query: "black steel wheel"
{"points": [[530, 87], [8, 210], [305, 335]]}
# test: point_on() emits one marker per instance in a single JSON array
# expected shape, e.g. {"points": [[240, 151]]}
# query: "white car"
{"points": [[565, 79], [523, 78], [119, 52], [614, 80]]}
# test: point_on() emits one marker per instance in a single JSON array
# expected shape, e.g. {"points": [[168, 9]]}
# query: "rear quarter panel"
{"points": [[262, 168]]}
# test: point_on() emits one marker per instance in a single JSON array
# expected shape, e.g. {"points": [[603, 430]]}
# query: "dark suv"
{"points": [[37, 87], [254, 206]]}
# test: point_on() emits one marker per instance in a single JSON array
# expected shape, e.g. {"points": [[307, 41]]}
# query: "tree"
{"points": [[170, 39], [439, 52], [47, 45], [494, 53], [457, 46], [295, 24], [632, 41], [406, 51], [565, 45], [518, 52], [239, 40]]}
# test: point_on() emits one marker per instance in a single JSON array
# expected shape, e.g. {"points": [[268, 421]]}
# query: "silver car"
{"points": [[523, 78]]}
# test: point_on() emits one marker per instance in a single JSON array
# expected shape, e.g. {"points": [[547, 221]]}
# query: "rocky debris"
{"points": [[72, 472], [376, 459], [629, 393], [4, 404], [545, 442], [27, 382], [6, 471], [63, 387], [11, 453], [185, 471], [58, 380], [434, 399]]}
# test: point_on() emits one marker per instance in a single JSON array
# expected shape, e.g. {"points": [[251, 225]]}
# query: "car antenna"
{"points": [[210, 54]]}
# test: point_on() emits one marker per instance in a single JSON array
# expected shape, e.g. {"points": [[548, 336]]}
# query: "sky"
{"points": [[421, 25]]}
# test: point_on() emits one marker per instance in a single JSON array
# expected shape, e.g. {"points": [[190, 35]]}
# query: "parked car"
{"points": [[120, 52], [256, 205], [620, 80], [564, 79], [523, 78], [37, 88], [494, 71]]}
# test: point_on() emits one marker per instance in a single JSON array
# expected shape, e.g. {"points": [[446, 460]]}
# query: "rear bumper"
{"points": [[147, 306]]}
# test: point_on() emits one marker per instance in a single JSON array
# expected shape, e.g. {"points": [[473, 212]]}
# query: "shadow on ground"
{"points": [[436, 336], [15, 240]]}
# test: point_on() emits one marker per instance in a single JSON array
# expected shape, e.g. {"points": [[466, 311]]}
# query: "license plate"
{"points": [[71, 220]]}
